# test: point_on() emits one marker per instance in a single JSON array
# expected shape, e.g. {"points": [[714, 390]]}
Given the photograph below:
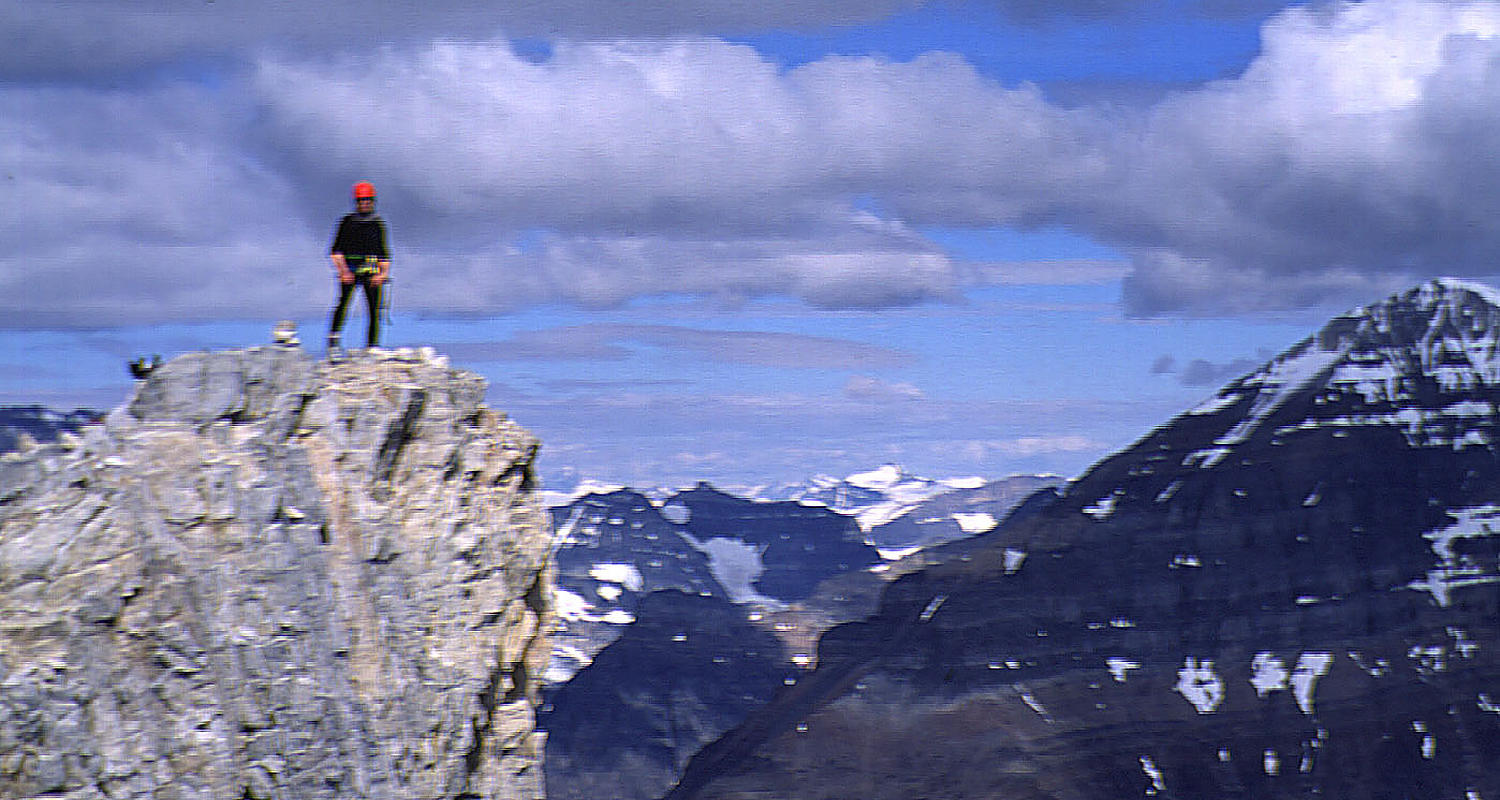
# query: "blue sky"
{"points": [[744, 243]]}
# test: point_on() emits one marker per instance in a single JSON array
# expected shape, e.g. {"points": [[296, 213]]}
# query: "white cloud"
{"points": [[1341, 164], [610, 171], [128, 206], [669, 136], [1338, 165], [689, 166]]}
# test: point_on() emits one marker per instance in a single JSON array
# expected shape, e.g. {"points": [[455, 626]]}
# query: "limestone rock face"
{"points": [[267, 576]]}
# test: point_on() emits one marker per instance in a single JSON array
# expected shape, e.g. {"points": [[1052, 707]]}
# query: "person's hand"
{"points": [[346, 277]]}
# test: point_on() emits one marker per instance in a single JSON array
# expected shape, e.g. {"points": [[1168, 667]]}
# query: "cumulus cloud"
{"points": [[674, 136], [608, 172], [1341, 162], [1340, 165], [136, 206], [690, 166]]}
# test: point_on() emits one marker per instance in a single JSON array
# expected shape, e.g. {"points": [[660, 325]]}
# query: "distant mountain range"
{"points": [[616, 544], [40, 424], [682, 611]]}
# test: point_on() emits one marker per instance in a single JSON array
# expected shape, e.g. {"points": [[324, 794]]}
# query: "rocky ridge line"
{"points": [[268, 576]]}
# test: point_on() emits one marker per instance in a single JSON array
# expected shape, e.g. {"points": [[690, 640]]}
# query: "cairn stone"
{"points": [[267, 576], [285, 333]]}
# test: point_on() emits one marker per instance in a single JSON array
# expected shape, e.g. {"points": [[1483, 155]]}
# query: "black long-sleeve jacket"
{"points": [[361, 235]]}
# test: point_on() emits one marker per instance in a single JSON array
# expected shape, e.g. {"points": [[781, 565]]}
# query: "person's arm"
{"points": [[383, 265], [336, 254], [341, 266]]}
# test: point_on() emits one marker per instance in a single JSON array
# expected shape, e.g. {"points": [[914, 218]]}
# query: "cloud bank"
{"points": [[1348, 159]]}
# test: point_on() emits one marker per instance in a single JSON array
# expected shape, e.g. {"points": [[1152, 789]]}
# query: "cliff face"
{"points": [[273, 577]]}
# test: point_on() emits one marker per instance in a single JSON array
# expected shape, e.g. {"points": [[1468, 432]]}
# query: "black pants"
{"points": [[372, 299]]}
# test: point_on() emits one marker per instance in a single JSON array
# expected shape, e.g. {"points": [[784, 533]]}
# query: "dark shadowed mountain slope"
{"points": [[40, 424], [1290, 591], [799, 546], [613, 549], [688, 669]]}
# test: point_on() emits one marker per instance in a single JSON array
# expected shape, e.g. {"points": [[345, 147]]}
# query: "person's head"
{"points": [[364, 196]]}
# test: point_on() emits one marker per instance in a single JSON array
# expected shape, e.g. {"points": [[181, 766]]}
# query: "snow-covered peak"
{"points": [[1452, 286], [873, 498], [555, 499], [1417, 353], [884, 477], [1442, 324]]}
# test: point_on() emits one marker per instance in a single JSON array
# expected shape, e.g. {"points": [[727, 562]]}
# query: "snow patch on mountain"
{"points": [[737, 565], [898, 553], [554, 499], [1454, 570], [1120, 668], [976, 523], [676, 513], [876, 497], [1278, 382], [1103, 507], [572, 607], [1310, 667], [624, 574], [1200, 685], [1268, 674]]}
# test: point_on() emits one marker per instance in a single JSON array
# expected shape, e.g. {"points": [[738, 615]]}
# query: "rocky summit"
{"points": [[269, 576], [1289, 591]]}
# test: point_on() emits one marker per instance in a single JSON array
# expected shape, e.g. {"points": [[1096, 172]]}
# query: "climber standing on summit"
{"points": [[361, 258]]}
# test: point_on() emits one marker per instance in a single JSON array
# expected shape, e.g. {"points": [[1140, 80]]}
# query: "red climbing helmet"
{"points": [[364, 190]]}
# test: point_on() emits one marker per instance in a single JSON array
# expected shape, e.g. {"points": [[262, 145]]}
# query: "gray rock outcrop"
{"points": [[267, 576]]}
